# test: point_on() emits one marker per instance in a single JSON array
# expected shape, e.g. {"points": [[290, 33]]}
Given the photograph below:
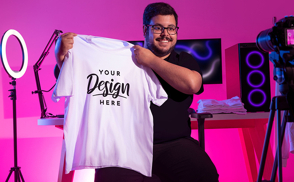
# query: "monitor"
{"points": [[207, 52]]}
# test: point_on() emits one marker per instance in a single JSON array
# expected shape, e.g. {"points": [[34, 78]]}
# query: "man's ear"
{"points": [[145, 28]]}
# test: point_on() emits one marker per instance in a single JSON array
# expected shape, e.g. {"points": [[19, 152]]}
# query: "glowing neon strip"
{"points": [[212, 67], [192, 51]]}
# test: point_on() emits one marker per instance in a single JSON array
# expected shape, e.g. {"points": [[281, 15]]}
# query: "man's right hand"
{"points": [[64, 43]]}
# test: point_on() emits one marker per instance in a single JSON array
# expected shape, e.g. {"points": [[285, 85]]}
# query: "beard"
{"points": [[157, 51]]}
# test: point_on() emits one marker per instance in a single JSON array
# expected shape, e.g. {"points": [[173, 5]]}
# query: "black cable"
{"points": [[39, 91], [50, 89]]}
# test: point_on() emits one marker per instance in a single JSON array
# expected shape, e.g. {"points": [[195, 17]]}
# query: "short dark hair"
{"points": [[155, 9]]}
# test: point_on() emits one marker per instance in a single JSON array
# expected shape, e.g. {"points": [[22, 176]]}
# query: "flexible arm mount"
{"points": [[37, 66]]}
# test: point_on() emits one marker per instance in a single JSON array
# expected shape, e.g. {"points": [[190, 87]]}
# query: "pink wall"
{"points": [[232, 21]]}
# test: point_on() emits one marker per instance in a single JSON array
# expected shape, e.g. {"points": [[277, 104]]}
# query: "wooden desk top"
{"points": [[249, 120]]}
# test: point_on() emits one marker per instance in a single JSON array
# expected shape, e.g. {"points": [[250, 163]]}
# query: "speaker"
{"points": [[247, 76]]}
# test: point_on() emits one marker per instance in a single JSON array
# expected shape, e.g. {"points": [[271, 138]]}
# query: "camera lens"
{"points": [[263, 41]]}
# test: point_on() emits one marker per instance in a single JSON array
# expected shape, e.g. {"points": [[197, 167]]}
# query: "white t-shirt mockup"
{"points": [[107, 119]]}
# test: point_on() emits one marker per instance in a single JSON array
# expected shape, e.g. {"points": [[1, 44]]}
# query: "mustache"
{"points": [[164, 38]]}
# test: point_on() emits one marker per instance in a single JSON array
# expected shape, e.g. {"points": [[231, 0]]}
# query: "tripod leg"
{"points": [[11, 170], [284, 122], [21, 176], [17, 174], [17, 178], [266, 142], [279, 145]]}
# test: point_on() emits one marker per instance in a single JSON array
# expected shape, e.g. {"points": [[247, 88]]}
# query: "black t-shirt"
{"points": [[171, 120]]}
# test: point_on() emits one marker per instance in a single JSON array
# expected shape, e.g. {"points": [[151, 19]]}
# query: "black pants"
{"points": [[181, 160]]}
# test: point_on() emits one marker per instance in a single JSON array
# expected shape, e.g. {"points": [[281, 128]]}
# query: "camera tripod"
{"points": [[278, 104], [17, 173]]}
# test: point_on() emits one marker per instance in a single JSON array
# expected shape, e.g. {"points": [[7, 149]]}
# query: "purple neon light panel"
{"points": [[254, 75], [257, 76]]}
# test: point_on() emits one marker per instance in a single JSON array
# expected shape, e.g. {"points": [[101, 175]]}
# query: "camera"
{"points": [[279, 40], [280, 36]]}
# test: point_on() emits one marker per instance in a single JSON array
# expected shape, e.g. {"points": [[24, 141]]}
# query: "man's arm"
{"points": [[181, 78], [64, 43]]}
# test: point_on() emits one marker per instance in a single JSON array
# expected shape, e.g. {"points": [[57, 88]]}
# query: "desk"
{"points": [[251, 132], [251, 128]]}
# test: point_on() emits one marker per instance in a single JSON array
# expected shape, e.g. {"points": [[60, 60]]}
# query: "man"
{"points": [[176, 156]]}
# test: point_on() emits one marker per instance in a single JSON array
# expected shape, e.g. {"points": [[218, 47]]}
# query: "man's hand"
{"points": [[144, 56], [64, 43]]}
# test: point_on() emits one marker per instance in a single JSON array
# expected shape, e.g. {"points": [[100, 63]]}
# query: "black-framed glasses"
{"points": [[158, 29]]}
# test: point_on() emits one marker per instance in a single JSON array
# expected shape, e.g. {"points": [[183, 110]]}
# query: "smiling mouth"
{"points": [[164, 41]]}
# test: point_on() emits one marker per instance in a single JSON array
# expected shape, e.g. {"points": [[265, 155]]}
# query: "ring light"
{"points": [[14, 74]]}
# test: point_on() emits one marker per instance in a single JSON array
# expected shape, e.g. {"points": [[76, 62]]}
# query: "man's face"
{"points": [[160, 44]]}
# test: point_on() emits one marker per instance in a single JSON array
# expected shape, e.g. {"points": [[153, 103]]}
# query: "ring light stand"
{"points": [[14, 75]]}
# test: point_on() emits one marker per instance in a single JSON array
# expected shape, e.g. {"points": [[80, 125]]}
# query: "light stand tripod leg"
{"points": [[11, 170], [21, 176], [266, 141], [16, 175]]}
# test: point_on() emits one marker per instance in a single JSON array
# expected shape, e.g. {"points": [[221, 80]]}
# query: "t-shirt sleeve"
{"points": [[187, 61], [156, 92], [64, 84]]}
